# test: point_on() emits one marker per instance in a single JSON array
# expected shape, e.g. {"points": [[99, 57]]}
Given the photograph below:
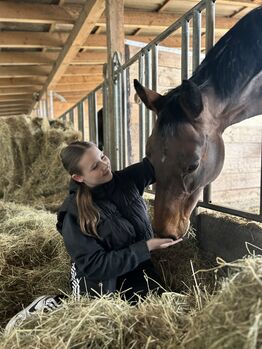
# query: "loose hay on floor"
{"points": [[33, 259], [230, 319]]}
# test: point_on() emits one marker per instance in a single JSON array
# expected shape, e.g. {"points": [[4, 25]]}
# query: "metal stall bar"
{"points": [[80, 119], [120, 120], [124, 118], [260, 211], [71, 116], [142, 110], [210, 39], [93, 134], [116, 129], [196, 39], [106, 121], [154, 73], [148, 82], [185, 50]]}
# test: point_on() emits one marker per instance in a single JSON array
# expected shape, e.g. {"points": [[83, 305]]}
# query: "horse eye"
{"points": [[192, 168]]}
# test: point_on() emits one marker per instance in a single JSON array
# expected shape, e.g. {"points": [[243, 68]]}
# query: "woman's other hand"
{"points": [[157, 243]]}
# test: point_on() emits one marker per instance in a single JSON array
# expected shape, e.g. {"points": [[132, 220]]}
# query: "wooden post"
{"points": [[115, 43]]}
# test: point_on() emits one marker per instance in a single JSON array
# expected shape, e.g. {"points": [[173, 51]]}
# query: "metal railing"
{"points": [[147, 59]]}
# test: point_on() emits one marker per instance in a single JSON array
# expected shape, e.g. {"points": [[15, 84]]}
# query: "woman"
{"points": [[106, 228]]}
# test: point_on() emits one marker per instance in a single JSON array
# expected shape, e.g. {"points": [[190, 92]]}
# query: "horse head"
{"points": [[186, 150]]}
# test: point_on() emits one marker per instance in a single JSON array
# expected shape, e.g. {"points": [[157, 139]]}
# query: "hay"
{"points": [[33, 259], [232, 318], [31, 171]]}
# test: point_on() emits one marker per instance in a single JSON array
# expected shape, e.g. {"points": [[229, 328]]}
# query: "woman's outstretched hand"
{"points": [[156, 243]]}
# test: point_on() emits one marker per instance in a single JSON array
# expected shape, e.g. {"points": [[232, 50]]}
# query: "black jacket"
{"points": [[123, 228]]}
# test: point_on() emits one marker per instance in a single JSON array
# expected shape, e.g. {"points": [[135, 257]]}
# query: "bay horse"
{"points": [[186, 146]]}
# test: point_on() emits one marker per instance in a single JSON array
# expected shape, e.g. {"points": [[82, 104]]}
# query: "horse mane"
{"points": [[235, 59], [228, 66]]}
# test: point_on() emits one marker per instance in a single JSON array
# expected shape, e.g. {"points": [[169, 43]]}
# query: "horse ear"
{"points": [[190, 99], [150, 98]]}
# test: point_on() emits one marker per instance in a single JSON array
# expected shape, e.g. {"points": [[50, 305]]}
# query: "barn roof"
{"points": [[61, 44]]}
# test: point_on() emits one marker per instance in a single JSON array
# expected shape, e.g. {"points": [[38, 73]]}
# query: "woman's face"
{"points": [[95, 167]]}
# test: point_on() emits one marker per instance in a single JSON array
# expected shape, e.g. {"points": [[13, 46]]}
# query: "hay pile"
{"points": [[229, 319], [30, 169], [33, 259]]}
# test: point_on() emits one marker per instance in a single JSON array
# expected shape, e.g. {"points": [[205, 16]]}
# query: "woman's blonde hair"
{"points": [[87, 211]]}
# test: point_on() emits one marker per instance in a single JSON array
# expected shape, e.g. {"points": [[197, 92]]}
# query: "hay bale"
{"points": [[33, 259], [31, 171], [103, 323], [232, 318], [229, 319]]}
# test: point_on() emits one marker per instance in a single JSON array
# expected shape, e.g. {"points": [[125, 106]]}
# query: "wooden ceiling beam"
{"points": [[48, 58], [76, 87], [10, 72], [22, 12], [93, 42], [32, 39], [160, 21], [83, 27], [84, 70], [17, 91], [25, 98], [15, 82]]}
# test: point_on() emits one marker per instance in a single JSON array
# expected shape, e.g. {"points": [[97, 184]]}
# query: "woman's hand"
{"points": [[154, 244]]}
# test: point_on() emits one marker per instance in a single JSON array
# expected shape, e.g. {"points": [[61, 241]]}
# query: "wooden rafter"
{"points": [[83, 27], [22, 12]]}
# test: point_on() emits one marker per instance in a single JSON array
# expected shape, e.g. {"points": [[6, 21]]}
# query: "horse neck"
{"points": [[243, 104]]}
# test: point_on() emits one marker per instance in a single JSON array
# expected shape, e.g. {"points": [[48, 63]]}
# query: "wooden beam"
{"points": [[160, 21], [48, 58], [163, 6], [26, 58], [69, 80], [22, 12], [25, 98], [90, 57], [115, 43], [84, 70], [54, 40], [77, 87], [9, 72], [87, 19], [32, 39], [17, 91], [14, 113], [15, 82]]}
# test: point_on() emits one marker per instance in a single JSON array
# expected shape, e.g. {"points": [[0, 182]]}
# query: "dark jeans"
{"points": [[140, 282]]}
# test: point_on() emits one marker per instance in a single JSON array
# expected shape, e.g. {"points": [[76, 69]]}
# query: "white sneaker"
{"points": [[41, 303]]}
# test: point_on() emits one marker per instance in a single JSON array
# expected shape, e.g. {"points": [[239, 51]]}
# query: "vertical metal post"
{"points": [[116, 129], [260, 211], [92, 115], [142, 111], [120, 120], [94, 99], [51, 104], [71, 116], [106, 121], [210, 24], [124, 118], [154, 77], [185, 50], [196, 39], [80, 117], [210, 39], [148, 82]]}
